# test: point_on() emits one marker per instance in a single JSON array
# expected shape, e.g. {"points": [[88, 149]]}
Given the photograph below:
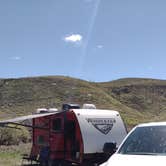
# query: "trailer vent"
{"points": [[88, 106], [66, 107], [52, 110], [45, 110], [41, 110]]}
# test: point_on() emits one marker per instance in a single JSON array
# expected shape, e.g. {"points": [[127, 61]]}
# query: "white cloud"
{"points": [[99, 46], [74, 38], [150, 68], [15, 58]]}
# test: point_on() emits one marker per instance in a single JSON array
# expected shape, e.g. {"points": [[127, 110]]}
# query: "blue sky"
{"points": [[95, 40]]}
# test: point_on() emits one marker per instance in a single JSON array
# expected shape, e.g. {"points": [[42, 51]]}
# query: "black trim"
{"points": [[92, 158]]}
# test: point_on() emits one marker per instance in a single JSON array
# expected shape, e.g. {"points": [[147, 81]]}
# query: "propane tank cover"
{"points": [[41, 110], [89, 106], [52, 110]]}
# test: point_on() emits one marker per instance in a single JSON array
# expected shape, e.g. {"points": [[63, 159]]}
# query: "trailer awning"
{"points": [[18, 120], [27, 117]]}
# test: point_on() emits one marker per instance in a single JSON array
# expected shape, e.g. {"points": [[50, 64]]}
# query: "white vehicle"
{"points": [[144, 145]]}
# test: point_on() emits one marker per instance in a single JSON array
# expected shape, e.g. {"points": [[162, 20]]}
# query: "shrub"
{"points": [[11, 136]]}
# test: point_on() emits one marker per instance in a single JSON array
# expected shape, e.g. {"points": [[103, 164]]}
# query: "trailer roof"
{"points": [[77, 111], [97, 112]]}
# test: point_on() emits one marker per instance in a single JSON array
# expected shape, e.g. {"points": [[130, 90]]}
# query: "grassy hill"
{"points": [[138, 100]]}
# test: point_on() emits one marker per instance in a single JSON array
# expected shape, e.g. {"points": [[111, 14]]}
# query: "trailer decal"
{"points": [[103, 125]]}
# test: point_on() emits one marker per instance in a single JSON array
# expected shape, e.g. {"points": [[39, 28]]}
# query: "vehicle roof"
{"points": [[152, 124]]}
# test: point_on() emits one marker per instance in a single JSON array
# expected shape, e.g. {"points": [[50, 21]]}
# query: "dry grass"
{"points": [[12, 155]]}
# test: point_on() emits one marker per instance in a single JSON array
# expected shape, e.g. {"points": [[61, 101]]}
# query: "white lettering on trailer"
{"points": [[103, 125]]}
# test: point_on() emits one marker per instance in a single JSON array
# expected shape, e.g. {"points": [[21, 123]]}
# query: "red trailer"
{"points": [[73, 135]]}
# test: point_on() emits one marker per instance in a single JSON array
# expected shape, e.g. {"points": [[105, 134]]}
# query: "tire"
{"points": [[55, 163]]}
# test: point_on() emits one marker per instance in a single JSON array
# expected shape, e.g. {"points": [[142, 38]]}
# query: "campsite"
{"points": [[76, 77], [149, 90]]}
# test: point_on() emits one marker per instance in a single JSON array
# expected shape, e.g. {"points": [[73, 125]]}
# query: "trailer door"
{"points": [[57, 138], [70, 138]]}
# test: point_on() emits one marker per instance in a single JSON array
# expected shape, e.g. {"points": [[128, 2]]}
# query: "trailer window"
{"points": [[41, 140], [57, 124]]}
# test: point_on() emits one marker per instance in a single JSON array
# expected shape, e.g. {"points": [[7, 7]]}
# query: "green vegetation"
{"points": [[10, 136]]}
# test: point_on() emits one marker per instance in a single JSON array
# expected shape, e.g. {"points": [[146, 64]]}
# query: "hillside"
{"points": [[137, 100], [147, 96]]}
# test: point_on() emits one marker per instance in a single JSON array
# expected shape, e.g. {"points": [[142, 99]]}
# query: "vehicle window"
{"points": [[57, 124], [145, 140]]}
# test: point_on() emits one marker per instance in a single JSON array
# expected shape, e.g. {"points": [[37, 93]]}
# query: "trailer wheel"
{"points": [[56, 163]]}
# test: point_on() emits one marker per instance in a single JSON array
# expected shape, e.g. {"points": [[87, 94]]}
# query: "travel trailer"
{"points": [[83, 136]]}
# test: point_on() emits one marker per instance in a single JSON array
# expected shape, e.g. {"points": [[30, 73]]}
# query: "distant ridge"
{"points": [[137, 99]]}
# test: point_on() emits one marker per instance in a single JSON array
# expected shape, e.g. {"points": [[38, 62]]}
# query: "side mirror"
{"points": [[109, 148]]}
